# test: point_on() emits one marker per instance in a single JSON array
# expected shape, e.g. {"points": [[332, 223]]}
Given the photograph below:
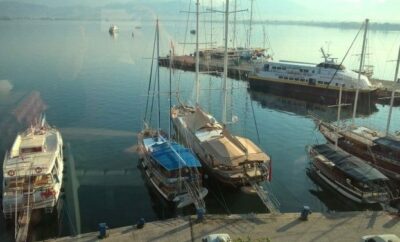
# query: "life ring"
{"points": [[38, 169], [11, 172]]}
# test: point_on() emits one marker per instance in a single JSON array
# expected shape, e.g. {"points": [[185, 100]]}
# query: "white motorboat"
{"points": [[33, 170]]}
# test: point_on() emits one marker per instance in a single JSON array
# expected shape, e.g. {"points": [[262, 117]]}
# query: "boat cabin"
{"points": [[331, 66]]}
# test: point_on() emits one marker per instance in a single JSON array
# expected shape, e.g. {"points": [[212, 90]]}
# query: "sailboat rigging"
{"points": [[233, 160], [171, 168]]}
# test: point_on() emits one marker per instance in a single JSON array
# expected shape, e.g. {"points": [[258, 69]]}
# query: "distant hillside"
{"points": [[144, 10]]}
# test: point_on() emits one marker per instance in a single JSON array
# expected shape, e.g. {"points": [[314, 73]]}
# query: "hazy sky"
{"points": [[316, 10]]}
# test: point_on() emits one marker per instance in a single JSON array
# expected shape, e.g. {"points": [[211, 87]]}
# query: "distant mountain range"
{"points": [[168, 10]]}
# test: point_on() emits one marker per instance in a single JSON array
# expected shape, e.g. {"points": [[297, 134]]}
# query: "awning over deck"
{"points": [[173, 156], [351, 165]]}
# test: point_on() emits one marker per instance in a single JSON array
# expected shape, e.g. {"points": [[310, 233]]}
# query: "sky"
{"points": [[307, 10]]}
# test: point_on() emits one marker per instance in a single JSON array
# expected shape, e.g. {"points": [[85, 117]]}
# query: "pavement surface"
{"points": [[343, 226]]}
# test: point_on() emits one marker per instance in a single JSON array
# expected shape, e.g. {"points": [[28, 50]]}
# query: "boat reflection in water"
{"points": [[306, 108]]}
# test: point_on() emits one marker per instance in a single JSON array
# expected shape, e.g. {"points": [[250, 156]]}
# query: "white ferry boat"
{"points": [[33, 171], [315, 82]]}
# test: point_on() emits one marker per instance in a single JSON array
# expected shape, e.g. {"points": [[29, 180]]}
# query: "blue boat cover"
{"points": [[182, 157], [353, 166]]}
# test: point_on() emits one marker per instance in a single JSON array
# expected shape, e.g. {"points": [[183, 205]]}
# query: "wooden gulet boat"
{"points": [[171, 169], [378, 148], [349, 175], [233, 160]]}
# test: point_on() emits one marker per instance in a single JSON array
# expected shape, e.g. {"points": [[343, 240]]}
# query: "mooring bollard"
{"points": [[140, 223], [200, 214], [305, 212], [103, 230]]}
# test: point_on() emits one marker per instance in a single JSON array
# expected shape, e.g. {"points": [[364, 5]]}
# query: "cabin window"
{"points": [[31, 150], [305, 71], [278, 68], [274, 68], [285, 77], [337, 84], [283, 68], [301, 70], [280, 77], [296, 79], [290, 78], [266, 67], [312, 71]]}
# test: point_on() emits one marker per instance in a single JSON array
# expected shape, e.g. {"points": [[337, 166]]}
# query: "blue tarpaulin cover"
{"points": [[170, 160]]}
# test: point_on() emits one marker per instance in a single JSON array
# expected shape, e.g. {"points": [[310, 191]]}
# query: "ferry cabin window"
{"points": [[266, 67], [31, 150], [274, 68]]}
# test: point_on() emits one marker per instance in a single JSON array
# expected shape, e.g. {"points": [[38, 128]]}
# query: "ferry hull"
{"points": [[307, 92]]}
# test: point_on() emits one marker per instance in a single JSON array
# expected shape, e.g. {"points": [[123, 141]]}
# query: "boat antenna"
{"points": [[360, 69], [225, 63], [395, 82], [158, 79]]}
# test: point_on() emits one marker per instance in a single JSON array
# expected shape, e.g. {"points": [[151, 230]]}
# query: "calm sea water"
{"points": [[94, 89]]}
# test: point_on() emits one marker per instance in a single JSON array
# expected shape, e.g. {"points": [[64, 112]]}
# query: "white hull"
{"points": [[40, 195]]}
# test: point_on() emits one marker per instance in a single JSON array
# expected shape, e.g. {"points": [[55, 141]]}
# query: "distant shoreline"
{"points": [[340, 25]]}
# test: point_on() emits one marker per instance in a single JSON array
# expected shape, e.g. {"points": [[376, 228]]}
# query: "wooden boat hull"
{"points": [[233, 179], [180, 200], [362, 151]]}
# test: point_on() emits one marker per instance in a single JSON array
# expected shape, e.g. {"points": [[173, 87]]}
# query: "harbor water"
{"points": [[93, 87]]}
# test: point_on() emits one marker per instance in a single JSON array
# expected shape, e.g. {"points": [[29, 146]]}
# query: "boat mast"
{"points": [[251, 22], [158, 80], [360, 69], [395, 82], [234, 26], [225, 63], [211, 23], [197, 54], [170, 94], [338, 117]]}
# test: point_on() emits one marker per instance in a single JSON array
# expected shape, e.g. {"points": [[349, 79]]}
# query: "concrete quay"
{"points": [[339, 226]]}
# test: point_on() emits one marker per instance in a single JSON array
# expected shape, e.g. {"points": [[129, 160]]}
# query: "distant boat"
{"points": [[33, 171], [113, 29], [349, 175]]}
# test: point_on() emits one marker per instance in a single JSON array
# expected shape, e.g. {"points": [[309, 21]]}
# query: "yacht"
{"points": [[33, 170], [233, 160], [381, 151], [313, 82], [349, 175], [113, 29], [171, 169]]}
